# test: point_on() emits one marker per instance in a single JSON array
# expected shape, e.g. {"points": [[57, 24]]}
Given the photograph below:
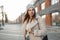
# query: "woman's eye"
{"points": [[29, 10], [32, 9]]}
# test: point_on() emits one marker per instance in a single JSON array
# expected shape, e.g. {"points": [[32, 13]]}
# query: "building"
{"points": [[48, 10]]}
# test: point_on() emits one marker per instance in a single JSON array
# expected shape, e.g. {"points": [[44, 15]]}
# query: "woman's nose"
{"points": [[31, 11]]}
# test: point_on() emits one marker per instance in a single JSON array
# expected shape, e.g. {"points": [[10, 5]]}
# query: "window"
{"points": [[54, 2], [43, 6]]}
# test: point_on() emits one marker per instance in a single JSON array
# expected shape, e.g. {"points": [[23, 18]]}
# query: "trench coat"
{"points": [[42, 26]]}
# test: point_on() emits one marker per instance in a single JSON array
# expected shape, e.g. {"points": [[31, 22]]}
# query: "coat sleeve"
{"points": [[24, 30], [42, 26]]}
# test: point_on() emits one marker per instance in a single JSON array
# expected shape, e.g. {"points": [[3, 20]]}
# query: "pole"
{"points": [[2, 16]]}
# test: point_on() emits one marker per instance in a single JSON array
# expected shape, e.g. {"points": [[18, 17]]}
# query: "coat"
{"points": [[42, 28]]}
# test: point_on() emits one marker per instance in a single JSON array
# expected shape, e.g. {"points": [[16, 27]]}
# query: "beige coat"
{"points": [[42, 28]]}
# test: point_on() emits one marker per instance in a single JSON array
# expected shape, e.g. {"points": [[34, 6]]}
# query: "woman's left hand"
{"points": [[29, 30]]}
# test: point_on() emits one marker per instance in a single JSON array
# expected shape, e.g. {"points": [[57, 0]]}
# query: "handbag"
{"points": [[37, 33], [45, 37]]}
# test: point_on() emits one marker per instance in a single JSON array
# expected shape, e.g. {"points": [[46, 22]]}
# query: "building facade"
{"points": [[51, 6]]}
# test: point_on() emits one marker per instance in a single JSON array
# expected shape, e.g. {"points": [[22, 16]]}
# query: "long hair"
{"points": [[27, 17]]}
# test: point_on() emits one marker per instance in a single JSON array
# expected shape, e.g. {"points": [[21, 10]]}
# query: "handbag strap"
{"points": [[38, 24]]}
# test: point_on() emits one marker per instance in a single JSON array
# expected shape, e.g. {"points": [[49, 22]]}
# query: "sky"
{"points": [[14, 8]]}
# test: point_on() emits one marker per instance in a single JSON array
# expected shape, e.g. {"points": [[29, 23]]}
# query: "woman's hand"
{"points": [[29, 30]]}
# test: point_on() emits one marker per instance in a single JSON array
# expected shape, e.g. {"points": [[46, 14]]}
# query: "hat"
{"points": [[29, 6]]}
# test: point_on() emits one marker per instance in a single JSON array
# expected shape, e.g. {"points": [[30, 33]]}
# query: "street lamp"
{"points": [[2, 15]]}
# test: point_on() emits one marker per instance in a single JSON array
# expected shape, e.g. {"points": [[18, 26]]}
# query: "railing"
{"points": [[50, 9]]}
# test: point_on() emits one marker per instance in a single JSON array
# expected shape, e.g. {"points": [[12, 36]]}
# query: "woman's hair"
{"points": [[27, 17]]}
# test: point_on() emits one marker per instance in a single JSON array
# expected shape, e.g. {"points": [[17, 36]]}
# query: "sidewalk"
{"points": [[13, 32], [53, 33]]}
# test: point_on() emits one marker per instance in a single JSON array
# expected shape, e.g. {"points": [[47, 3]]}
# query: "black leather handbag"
{"points": [[45, 38]]}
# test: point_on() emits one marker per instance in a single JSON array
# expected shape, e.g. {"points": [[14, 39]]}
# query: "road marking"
{"points": [[10, 34]]}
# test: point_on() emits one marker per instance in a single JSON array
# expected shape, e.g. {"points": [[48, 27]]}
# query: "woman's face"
{"points": [[31, 11]]}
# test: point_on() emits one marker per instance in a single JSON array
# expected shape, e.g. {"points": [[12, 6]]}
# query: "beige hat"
{"points": [[29, 6]]}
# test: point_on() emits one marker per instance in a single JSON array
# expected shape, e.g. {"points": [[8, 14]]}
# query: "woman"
{"points": [[30, 20]]}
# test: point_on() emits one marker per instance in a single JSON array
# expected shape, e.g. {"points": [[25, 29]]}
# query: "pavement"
{"points": [[53, 33], [13, 32]]}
